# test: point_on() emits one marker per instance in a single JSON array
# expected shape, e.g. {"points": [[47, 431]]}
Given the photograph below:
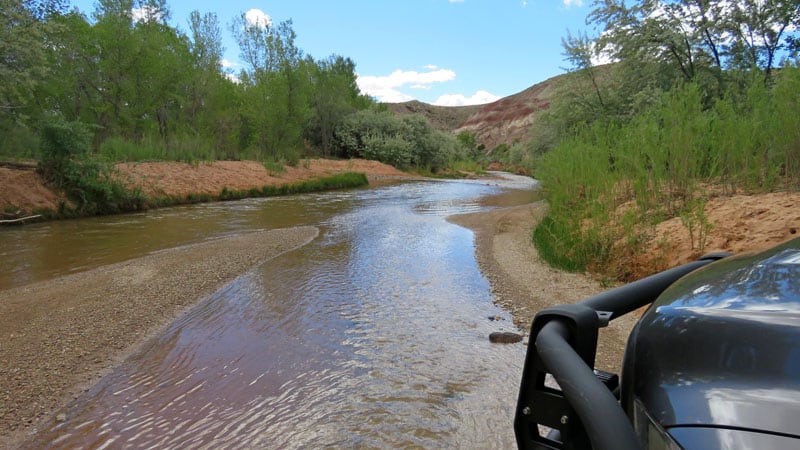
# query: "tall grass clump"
{"points": [[184, 148], [338, 181], [576, 178]]}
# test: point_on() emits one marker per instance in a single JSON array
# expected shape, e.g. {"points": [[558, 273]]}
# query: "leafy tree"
{"points": [[46, 9], [579, 51], [693, 37], [761, 30], [212, 101], [22, 59], [72, 91], [276, 86], [206, 40], [335, 95], [143, 64]]}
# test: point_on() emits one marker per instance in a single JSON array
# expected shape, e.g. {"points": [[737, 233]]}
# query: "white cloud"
{"points": [[227, 64], [146, 13], [388, 95], [232, 77], [385, 88], [601, 58], [478, 98], [456, 1], [569, 3], [431, 67], [524, 4], [258, 18]]}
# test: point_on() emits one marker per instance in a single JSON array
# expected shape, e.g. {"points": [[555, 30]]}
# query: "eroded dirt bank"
{"points": [[57, 337], [24, 190]]}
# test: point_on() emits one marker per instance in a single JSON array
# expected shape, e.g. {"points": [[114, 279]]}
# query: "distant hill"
{"points": [[505, 121], [445, 118]]}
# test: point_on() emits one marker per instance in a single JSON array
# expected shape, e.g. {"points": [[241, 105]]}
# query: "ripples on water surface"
{"points": [[374, 335]]}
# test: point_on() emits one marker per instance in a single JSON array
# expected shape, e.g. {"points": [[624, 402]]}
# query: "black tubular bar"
{"points": [[605, 422], [627, 298]]}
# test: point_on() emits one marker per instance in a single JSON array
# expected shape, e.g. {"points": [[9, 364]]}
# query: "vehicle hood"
{"points": [[721, 347], [726, 438]]}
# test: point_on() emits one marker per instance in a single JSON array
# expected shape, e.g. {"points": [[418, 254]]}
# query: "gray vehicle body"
{"points": [[714, 362]]}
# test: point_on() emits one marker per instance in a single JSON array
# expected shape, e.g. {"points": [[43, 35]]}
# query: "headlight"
{"points": [[651, 435]]}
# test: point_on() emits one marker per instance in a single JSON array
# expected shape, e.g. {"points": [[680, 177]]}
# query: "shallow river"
{"points": [[375, 335]]}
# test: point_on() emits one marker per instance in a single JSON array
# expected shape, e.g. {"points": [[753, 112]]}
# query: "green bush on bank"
{"points": [[403, 141], [87, 181], [656, 165]]}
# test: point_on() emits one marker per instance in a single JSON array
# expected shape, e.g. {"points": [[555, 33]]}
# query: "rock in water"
{"points": [[504, 338]]}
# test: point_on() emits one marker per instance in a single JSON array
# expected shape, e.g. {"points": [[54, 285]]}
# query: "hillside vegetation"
{"points": [[695, 107]]}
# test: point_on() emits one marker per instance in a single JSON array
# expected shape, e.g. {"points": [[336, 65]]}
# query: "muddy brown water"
{"points": [[375, 335]]}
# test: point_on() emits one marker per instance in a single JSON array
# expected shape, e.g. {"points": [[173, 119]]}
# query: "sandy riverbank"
{"points": [[523, 284], [24, 192], [59, 336]]}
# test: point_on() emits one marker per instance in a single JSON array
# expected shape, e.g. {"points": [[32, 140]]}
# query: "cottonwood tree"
{"points": [[335, 95], [275, 87], [143, 65], [72, 90], [211, 107]]}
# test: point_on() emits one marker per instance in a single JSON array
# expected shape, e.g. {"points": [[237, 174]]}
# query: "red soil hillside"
{"points": [[510, 119], [506, 121]]}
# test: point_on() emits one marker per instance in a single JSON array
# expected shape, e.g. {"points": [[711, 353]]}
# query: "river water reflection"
{"points": [[372, 336]]}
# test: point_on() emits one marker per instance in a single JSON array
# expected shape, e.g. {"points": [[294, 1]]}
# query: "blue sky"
{"points": [[446, 52]]}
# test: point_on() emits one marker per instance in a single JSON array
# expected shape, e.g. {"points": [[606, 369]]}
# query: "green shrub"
{"points": [[88, 182], [402, 141], [184, 147]]}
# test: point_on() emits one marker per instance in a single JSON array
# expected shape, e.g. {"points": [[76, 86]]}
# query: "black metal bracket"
{"points": [[541, 403]]}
